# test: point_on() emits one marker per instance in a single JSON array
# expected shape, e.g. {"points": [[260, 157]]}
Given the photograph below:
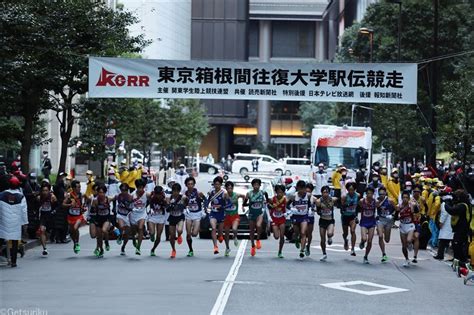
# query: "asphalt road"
{"points": [[65, 283]]}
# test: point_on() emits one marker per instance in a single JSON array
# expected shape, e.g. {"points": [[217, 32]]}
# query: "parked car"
{"points": [[209, 168], [243, 163], [241, 187], [297, 166]]}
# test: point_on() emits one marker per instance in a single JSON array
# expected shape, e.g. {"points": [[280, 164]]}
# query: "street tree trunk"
{"points": [[66, 126], [30, 104]]}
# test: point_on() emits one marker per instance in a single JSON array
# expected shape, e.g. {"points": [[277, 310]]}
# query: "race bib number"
{"points": [[46, 208], [368, 213], [326, 212], [351, 209], [406, 220], [278, 214], [257, 205], [75, 211]]}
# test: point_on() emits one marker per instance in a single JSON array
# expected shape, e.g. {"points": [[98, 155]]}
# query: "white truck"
{"points": [[334, 145]]}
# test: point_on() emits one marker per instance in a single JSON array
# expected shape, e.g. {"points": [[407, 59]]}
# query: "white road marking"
{"points": [[333, 249], [344, 287], [224, 294]]}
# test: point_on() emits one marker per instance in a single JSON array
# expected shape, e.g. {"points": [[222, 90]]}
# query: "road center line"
{"points": [[224, 294]]}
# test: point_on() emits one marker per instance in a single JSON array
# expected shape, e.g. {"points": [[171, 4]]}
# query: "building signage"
{"points": [[324, 82]]}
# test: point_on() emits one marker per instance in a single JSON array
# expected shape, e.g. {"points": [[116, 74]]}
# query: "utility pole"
{"points": [[431, 145]]}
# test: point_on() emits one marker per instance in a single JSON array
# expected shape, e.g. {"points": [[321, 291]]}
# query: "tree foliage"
{"points": [[141, 123], [402, 128], [44, 54]]}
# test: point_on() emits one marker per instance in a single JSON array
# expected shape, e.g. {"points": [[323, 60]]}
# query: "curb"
{"points": [[32, 244]]}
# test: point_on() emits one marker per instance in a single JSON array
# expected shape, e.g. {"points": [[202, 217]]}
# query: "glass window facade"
{"points": [[293, 39], [253, 38]]}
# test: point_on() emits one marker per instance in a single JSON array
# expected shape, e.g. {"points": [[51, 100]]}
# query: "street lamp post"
{"points": [[370, 32]]}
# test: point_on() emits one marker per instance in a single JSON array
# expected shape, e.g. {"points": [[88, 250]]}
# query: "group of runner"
{"points": [[126, 213]]}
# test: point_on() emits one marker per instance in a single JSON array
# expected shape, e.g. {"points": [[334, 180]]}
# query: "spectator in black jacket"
{"points": [[459, 224]]}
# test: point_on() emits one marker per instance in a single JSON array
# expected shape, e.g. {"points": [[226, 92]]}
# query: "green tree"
{"points": [[312, 113], [83, 28], [403, 129], [96, 118], [456, 116], [25, 74]]}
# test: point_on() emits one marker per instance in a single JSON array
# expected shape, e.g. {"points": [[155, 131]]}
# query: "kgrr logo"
{"points": [[108, 78]]}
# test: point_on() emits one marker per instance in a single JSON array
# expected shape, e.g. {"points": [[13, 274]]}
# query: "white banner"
{"points": [[328, 82]]}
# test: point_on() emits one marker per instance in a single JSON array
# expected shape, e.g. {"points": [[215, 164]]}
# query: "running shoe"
{"points": [[330, 241], [96, 252], [406, 263], [137, 252], [455, 264], [227, 252], [301, 254], [122, 252], [362, 245], [346, 244], [173, 254], [366, 260], [45, 252], [384, 258], [236, 242], [180, 239], [280, 255], [415, 261], [119, 240], [190, 254], [101, 253], [220, 238], [77, 248], [297, 243], [152, 238], [353, 253], [307, 251], [152, 253], [323, 258], [216, 250], [107, 247], [253, 251], [259, 244], [459, 271]]}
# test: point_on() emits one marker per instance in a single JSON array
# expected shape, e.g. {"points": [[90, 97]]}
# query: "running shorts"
{"points": [[368, 224], [136, 216], [279, 221], [347, 219], [47, 220], [100, 220], [230, 219], [311, 219], [296, 219], [406, 228], [156, 218], [193, 216], [173, 220], [254, 214], [325, 223], [72, 219], [385, 223], [124, 218], [217, 215]]}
